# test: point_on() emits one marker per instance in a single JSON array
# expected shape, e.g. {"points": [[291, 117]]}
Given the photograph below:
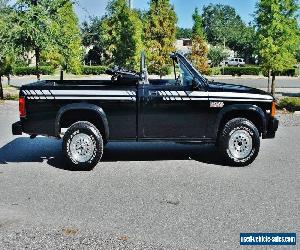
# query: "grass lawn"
{"points": [[10, 93], [289, 103]]}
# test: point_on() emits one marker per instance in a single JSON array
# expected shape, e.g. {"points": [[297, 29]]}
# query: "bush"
{"points": [[215, 71], [23, 71], [289, 103], [94, 70], [241, 71], [286, 72]]}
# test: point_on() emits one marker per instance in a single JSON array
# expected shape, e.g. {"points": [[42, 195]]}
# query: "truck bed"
{"points": [[51, 83]]}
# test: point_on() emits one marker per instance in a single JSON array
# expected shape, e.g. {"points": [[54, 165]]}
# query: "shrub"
{"points": [[241, 71], [23, 71], [286, 72], [289, 103], [94, 70], [215, 71]]}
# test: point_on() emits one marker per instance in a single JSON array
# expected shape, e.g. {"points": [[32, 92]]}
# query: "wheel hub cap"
{"points": [[82, 147], [240, 144]]}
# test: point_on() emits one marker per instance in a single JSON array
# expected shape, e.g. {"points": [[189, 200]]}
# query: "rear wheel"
{"points": [[82, 146], [239, 142]]}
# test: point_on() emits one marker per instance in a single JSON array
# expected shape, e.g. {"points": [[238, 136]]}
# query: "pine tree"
{"points": [[122, 32], [70, 39], [198, 24], [278, 34], [199, 51], [160, 36]]}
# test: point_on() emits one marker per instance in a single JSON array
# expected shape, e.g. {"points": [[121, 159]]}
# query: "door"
{"points": [[172, 109]]}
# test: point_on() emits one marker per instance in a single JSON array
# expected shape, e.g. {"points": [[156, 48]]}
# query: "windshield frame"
{"points": [[195, 73]]}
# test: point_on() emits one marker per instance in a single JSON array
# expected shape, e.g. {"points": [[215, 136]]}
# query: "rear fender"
{"points": [[82, 106]]}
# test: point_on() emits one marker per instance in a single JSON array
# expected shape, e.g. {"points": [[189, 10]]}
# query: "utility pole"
{"points": [[130, 3], [223, 66]]}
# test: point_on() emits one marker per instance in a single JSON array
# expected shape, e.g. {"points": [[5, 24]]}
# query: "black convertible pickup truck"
{"points": [[132, 107]]}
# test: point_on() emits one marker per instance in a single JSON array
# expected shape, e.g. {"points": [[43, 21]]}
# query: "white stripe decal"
{"points": [[239, 100], [130, 95], [92, 98], [196, 94], [239, 95], [94, 92]]}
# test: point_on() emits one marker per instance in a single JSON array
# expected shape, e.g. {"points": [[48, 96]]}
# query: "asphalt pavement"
{"points": [[144, 196]]}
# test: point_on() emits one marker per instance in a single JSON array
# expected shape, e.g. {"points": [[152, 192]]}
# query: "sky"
{"points": [[183, 8]]}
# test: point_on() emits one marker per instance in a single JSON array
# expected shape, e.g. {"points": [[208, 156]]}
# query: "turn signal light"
{"points": [[273, 109], [22, 108]]}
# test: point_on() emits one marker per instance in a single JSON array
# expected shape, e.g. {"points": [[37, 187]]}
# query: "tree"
{"points": [[122, 33], [92, 38], [217, 54], [69, 40], [222, 24], [32, 27], [199, 51], [3, 4], [160, 36], [7, 50], [278, 35], [197, 29], [46, 26], [298, 53], [183, 33]]}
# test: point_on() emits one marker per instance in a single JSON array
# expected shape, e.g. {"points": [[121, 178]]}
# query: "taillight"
{"points": [[22, 108], [273, 109]]}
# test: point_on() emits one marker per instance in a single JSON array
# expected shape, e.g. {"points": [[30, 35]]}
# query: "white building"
{"points": [[183, 45]]}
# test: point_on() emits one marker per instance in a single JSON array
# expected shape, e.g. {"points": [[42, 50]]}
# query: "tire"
{"points": [[239, 142], [82, 146]]}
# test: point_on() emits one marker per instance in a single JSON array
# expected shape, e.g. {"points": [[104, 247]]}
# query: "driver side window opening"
{"points": [[185, 78], [182, 77]]}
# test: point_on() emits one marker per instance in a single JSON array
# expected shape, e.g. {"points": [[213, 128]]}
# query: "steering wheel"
{"points": [[179, 80]]}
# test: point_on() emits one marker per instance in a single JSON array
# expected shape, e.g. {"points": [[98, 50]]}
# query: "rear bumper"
{"points": [[272, 128], [17, 128]]}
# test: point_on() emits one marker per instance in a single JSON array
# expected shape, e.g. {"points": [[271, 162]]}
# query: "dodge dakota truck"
{"points": [[88, 114]]}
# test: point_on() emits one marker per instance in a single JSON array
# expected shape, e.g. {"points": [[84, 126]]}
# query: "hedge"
{"points": [[255, 71], [286, 72], [241, 71], [289, 103], [44, 70], [94, 70]]}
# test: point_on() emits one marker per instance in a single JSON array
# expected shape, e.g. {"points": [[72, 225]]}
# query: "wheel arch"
{"points": [[67, 115], [248, 111]]}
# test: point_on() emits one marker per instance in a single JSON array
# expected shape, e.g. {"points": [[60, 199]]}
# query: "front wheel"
{"points": [[239, 142], [82, 146]]}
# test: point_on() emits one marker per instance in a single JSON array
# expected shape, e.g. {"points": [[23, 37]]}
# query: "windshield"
{"points": [[185, 77], [189, 70]]}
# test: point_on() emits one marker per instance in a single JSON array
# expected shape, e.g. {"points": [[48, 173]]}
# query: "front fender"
{"points": [[240, 107], [82, 106]]}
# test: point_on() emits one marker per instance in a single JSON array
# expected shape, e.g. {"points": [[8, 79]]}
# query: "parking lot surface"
{"points": [[144, 196]]}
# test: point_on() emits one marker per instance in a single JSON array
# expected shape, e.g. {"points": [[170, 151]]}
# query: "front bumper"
{"points": [[272, 128], [17, 128]]}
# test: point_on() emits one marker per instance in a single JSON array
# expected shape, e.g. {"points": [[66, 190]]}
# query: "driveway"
{"points": [[144, 196]]}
